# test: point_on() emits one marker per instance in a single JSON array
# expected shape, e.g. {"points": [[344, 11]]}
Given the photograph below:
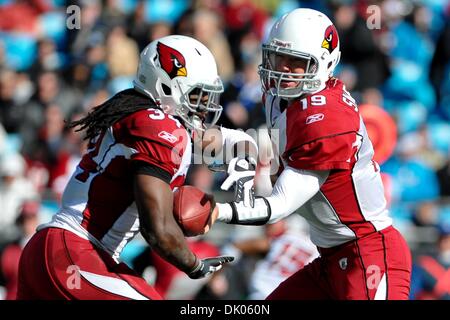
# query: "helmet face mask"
{"points": [[271, 77], [199, 104], [303, 35], [172, 70]]}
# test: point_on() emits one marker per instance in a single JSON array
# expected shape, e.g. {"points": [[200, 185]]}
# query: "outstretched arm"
{"points": [[224, 144], [292, 190]]}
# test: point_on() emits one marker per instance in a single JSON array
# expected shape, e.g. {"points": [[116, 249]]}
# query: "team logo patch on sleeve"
{"points": [[315, 117], [167, 136]]}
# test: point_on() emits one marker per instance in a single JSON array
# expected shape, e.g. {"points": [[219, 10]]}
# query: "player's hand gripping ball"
{"points": [[192, 209]]}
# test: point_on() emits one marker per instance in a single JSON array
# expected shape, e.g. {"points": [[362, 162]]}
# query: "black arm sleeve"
{"points": [[141, 167]]}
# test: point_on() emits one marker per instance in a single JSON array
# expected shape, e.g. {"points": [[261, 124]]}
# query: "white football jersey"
{"points": [[325, 131], [98, 202]]}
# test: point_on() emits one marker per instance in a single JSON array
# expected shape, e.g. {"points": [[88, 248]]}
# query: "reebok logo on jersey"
{"points": [[167, 136], [315, 117]]}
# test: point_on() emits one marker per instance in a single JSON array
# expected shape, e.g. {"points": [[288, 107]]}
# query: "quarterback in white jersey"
{"points": [[327, 170]]}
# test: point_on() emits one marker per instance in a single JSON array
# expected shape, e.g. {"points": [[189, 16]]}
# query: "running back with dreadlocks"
{"points": [[140, 149], [106, 114]]}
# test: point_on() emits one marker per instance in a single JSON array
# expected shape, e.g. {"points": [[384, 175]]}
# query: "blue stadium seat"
{"points": [[411, 55], [12, 144], [53, 26], [410, 115], [120, 83], [409, 178], [168, 11], [439, 136], [20, 50], [444, 218], [127, 6], [132, 250]]}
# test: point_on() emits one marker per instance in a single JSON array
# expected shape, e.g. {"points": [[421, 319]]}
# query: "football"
{"points": [[192, 209]]}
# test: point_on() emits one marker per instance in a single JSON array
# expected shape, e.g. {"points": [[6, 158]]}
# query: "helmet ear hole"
{"points": [[167, 91]]}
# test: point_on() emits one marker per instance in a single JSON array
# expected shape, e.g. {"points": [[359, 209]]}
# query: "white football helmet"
{"points": [[180, 74], [304, 34]]}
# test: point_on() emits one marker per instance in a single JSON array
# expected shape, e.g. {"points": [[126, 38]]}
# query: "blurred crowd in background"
{"points": [[50, 74]]}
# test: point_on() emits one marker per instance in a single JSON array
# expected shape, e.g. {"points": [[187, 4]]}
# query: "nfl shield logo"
{"points": [[343, 263]]}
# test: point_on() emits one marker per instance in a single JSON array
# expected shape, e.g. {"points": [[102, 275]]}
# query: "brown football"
{"points": [[191, 209]]}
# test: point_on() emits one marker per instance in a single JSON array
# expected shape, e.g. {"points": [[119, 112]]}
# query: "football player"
{"points": [[328, 172], [140, 147]]}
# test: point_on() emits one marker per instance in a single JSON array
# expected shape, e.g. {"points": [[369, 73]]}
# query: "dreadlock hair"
{"points": [[106, 114]]}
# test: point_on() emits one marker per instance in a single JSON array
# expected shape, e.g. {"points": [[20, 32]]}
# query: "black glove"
{"points": [[208, 266]]}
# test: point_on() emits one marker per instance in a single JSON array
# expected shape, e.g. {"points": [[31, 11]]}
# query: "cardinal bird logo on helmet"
{"points": [[331, 39], [171, 61]]}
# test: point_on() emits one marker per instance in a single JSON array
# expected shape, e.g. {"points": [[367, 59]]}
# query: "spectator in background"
{"points": [[10, 111], [24, 88], [237, 114], [66, 159], [47, 58], [426, 214], [61, 149], [158, 30], [359, 47], [207, 29], [185, 24], [22, 16], [112, 15], [121, 48], [50, 90], [440, 64], [26, 222], [52, 129], [444, 178], [242, 17], [94, 99], [242, 97], [14, 190], [138, 27], [90, 28], [431, 272], [287, 249], [409, 172], [92, 73]]}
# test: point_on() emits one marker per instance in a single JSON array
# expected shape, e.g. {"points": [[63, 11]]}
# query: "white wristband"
{"points": [[225, 212]]}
